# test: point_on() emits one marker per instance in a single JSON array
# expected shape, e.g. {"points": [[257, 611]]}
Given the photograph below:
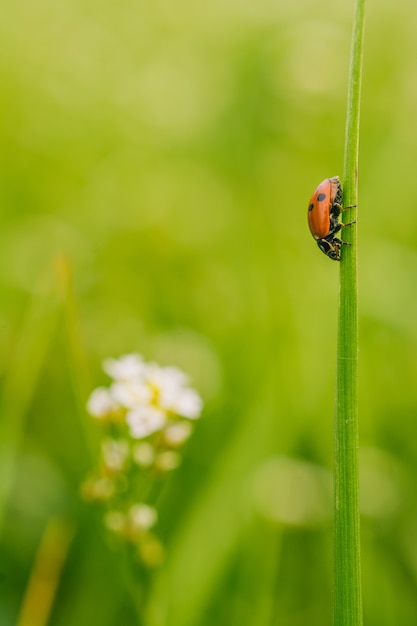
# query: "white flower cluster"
{"points": [[147, 414], [134, 525], [146, 395]]}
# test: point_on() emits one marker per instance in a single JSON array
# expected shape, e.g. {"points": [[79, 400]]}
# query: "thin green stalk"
{"points": [[78, 360], [348, 596]]}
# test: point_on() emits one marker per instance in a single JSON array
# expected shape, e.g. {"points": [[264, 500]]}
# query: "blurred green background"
{"points": [[168, 151]]}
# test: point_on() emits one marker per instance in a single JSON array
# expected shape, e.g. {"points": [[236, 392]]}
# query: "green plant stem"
{"points": [[348, 597]]}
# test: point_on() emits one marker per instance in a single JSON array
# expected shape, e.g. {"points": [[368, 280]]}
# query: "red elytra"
{"points": [[324, 210]]}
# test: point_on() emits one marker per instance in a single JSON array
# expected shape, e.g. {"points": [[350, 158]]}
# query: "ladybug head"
{"points": [[329, 248]]}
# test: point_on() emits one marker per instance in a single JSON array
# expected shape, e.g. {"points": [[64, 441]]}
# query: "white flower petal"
{"points": [[142, 516], [144, 454], [177, 433], [127, 367], [115, 453], [145, 420], [190, 404], [166, 377], [184, 402], [131, 394], [101, 403]]}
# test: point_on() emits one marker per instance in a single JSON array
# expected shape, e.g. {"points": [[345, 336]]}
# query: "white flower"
{"points": [[185, 402], [145, 420], [100, 403], [172, 391], [177, 433], [131, 393], [149, 395], [167, 460], [127, 367], [161, 377], [143, 454], [115, 453], [142, 516]]}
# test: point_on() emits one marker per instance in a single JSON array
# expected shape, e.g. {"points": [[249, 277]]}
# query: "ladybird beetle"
{"points": [[324, 209]]}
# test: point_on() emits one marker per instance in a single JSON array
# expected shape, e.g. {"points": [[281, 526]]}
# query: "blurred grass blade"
{"points": [[78, 361], [22, 377], [46, 572]]}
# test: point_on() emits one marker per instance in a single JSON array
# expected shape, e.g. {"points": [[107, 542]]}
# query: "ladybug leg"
{"points": [[343, 208], [339, 242], [335, 212], [334, 216], [336, 226]]}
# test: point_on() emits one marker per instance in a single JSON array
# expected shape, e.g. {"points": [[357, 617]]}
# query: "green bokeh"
{"points": [[169, 151]]}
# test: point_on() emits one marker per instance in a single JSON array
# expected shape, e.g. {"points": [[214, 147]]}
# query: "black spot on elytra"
{"points": [[321, 196], [311, 207]]}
